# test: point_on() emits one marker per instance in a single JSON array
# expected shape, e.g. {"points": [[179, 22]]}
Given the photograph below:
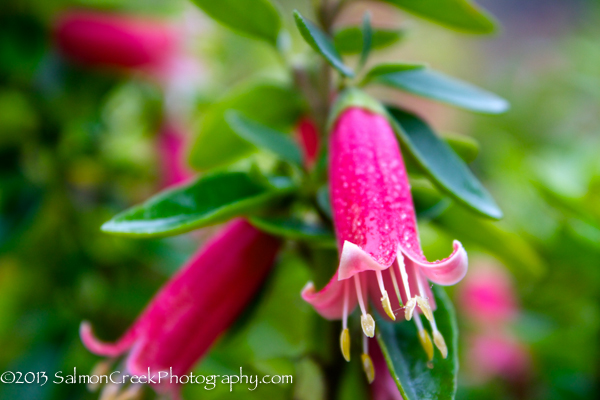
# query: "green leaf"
{"points": [[321, 43], [389, 68], [407, 361], [367, 31], [264, 137], [350, 40], [217, 144], [442, 165], [255, 18], [465, 147], [323, 201], [295, 229], [208, 200], [461, 15], [437, 86]]}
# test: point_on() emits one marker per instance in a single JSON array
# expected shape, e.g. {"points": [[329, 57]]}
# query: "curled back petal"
{"points": [[444, 272]]}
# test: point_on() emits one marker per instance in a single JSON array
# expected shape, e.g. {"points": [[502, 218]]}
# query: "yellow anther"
{"points": [[425, 340], [385, 302], [368, 324], [368, 367], [440, 343], [425, 307], [345, 343], [409, 308]]}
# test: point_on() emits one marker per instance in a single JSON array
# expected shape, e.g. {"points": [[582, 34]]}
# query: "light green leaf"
{"points": [[209, 200], [217, 144], [295, 229], [389, 68], [514, 251], [321, 43], [256, 18], [442, 165], [367, 31], [264, 137], [350, 40], [437, 86], [461, 15], [407, 362]]}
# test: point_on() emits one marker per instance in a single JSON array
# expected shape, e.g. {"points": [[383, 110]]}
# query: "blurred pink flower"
{"points": [[487, 295], [376, 228], [492, 355], [308, 137], [171, 148], [108, 40], [200, 302]]}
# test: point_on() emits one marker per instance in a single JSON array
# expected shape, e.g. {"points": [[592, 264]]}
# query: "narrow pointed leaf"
{"points": [[389, 68], [208, 200], [321, 43], [442, 165], [408, 362], [264, 137], [217, 144], [461, 15], [367, 33], [255, 18], [349, 40], [437, 86], [295, 229]]}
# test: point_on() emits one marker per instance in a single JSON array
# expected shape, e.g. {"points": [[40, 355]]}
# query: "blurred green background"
{"points": [[79, 145]]}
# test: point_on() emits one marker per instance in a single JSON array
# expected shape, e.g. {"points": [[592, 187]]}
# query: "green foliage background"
{"points": [[77, 147]]}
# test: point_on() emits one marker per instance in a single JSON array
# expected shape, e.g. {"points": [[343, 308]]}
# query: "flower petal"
{"points": [[106, 349], [355, 260], [444, 272], [329, 301]]}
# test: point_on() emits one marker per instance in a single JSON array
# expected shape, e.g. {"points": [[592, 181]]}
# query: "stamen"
{"points": [[132, 392], [366, 320], [410, 305], [385, 300], [424, 338], [410, 308], [395, 282], [425, 307], [345, 343], [101, 368], [367, 363], [438, 339], [110, 392], [422, 301], [345, 315]]}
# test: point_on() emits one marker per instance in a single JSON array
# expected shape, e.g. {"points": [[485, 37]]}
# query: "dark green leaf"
{"points": [[461, 15], [256, 18], [437, 86], [442, 165], [295, 229], [367, 31], [268, 103], [208, 200], [350, 40], [389, 68], [321, 43], [324, 201], [408, 362], [264, 137]]}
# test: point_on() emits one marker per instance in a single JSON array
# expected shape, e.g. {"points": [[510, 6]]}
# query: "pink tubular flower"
{"points": [[171, 148], [195, 306], [309, 140], [376, 228], [107, 40], [487, 296], [492, 355]]}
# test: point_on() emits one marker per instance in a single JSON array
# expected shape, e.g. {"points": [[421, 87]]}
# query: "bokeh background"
{"points": [[78, 145]]}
